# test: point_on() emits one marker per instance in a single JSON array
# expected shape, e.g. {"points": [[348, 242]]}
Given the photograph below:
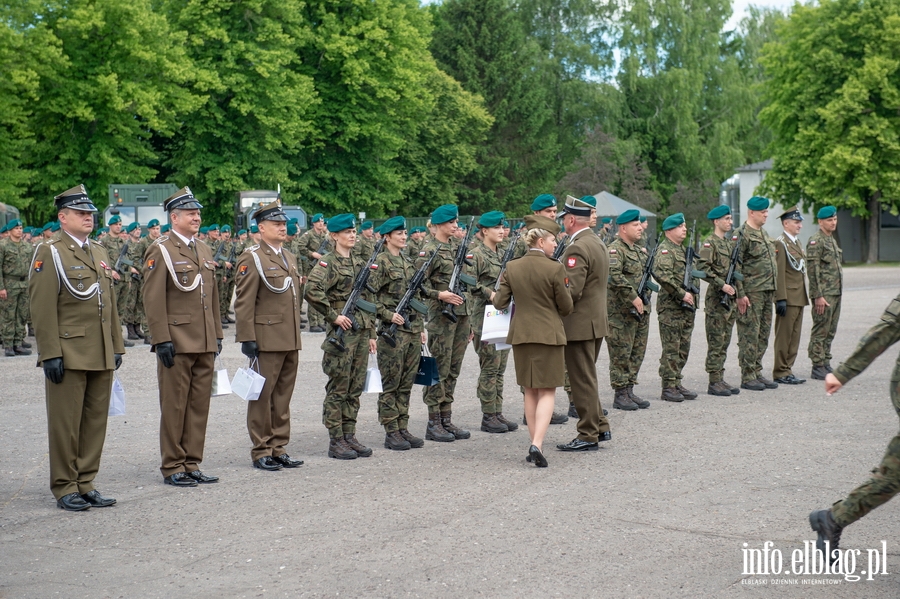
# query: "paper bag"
{"points": [[220, 384], [248, 383], [117, 398], [496, 324], [428, 374], [373, 377]]}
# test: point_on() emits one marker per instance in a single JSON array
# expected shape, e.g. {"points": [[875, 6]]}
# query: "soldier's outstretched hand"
{"points": [[832, 384]]}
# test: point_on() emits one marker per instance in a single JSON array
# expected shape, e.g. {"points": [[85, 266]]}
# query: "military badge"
{"points": [[105, 266], [612, 250], [38, 265], [664, 252], [151, 264], [242, 270], [571, 262], [812, 242], [322, 263]]}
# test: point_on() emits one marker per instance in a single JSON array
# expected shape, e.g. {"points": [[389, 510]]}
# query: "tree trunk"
{"points": [[874, 227]]}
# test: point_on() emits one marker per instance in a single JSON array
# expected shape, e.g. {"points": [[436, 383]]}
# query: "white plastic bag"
{"points": [[220, 384], [117, 397], [496, 324], [248, 383], [373, 377]]}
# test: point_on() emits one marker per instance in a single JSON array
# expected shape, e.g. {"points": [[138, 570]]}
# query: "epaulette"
{"points": [[252, 248], [52, 240], [160, 239]]}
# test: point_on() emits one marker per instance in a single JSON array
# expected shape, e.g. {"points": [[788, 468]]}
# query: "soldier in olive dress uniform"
{"points": [[790, 297], [79, 343]]}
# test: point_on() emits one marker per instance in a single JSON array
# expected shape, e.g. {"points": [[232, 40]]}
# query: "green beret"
{"points": [[629, 216], [395, 223], [519, 225], [462, 227], [505, 224], [643, 219], [606, 220], [153, 223], [673, 221], [4, 229], [416, 230], [132, 226], [204, 230], [254, 229], [46, 227], [490, 219], [54, 226], [537, 221], [294, 221], [226, 228], [213, 227], [758, 203], [545, 200], [144, 233], [292, 229], [444, 214], [242, 232], [718, 212], [114, 220], [13, 224], [317, 217], [367, 225], [826, 212], [590, 200], [341, 222], [165, 228]]}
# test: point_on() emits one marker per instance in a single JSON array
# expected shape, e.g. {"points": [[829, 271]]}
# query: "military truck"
{"points": [[8, 213], [141, 203], [249, 201]]}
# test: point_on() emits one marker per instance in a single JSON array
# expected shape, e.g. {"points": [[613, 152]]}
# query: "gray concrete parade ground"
{"points": [[669, 508]]}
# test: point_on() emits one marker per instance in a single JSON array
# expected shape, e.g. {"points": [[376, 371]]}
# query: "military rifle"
{"points": [[219, 253], [123, 259], [360, 284], [507, 256], [733, 275], [323, 246], [690, 272], [409, 301], [457, 279], [560, 248], [646, 287]]}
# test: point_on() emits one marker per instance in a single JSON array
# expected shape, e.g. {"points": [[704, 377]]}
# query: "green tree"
{"points": [[256, 110], [834, 106], [483, 45], [117, 83]]}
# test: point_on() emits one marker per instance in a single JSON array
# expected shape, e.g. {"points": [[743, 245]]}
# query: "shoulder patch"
{"points": [[421, 254], [38, 266], [373, 267], [571, 262], [323, 264], [242, 270], [734, 238], [812, 242], [707, 244], [151, 264], [612, 250], [664, 251]]}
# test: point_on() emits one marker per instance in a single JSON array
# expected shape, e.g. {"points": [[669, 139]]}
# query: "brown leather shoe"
{"points": [[435, 431], [413, 440], [671, 394], [623, 402], [490, 424], [719, 388], [509, 423], [393, 440], [338, 448]]}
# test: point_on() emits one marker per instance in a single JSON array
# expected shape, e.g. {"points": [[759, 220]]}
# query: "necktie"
{"points": [[193, 247], [87, 250]]}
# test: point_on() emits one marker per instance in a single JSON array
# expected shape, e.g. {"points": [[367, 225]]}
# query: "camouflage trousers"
{"points": [[121, 289], [346, 373], [675, 329], [134, 304], [316, 318], [492, 363], [753, 329], [626, 345], [719, 327], [13, 315], [824, 327], [885, 481], [447, 343], [222, 288], [398, 366]]}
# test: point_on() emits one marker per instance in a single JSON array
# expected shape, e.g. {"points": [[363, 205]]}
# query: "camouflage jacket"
{"points": [[626, 265], [485, 268], [15, 260], [330, 284], [758, 263], [823, 265], [714, 260], [390, 280], [113, 246], [668, 270], [873, 344], [437, 279]]}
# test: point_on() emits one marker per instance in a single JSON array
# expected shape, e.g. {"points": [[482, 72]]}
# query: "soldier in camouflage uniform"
{"points": [[398, 363], [415, 242], [544, 205], [675, 309], [486, 265], [626, 312], [308, 247], [365, 243], [134, 300], [715, 259], [885, 481], [756, 295], [113, 243], [153, 232], [447, 340], [15, 261], [330, 284], [233, 251], [826, 278]]}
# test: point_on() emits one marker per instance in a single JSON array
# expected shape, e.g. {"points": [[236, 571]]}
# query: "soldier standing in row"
{"points": [[721, 314], [756, 295], [415, 242], [79, 345], [153, 232], [267, 308], [345, 354], [365, 244], [449, 325], [313, 245], [626, 311], [790, 297], [133, 308], [398, 363], [232, 251], [826, 278], [114, 244], [675, 309], [182, 310], [543, 205], [15, 259], [486, 263]]}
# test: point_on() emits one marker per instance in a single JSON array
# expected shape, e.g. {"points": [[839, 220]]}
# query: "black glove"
{"points": [[118, 359], [218, 346], [166, 353], [250, 349], [781, 307], [53, 370]]}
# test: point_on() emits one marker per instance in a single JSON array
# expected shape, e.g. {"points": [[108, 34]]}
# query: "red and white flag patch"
{"points": [[812, 242], [664, 252], [706, 245], [571, 262], [612, 250], [322, 263]]}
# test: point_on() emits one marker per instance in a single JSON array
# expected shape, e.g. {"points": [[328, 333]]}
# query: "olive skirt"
{"points": [[540, 366]]}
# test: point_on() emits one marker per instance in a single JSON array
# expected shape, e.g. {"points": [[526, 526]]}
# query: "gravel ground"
{"points": [[663, 510]]}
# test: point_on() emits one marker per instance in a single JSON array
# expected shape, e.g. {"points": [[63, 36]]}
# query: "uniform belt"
{"points": [[11, 278]]}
